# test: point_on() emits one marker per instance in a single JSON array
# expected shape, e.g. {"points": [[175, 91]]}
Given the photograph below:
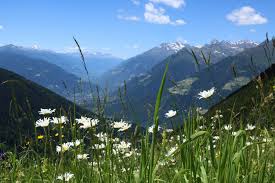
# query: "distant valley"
{"points": [[188, 74]]}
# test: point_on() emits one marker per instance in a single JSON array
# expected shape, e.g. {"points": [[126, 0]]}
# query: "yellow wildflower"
{"points": [[40, 137]]}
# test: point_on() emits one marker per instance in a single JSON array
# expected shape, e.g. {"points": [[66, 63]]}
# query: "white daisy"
{"points": [[250, 127], [61, 120], [42, 122], [87, 122], [206, 93], [46, 111], [103, 137], [77, 142], [227, 127], [123, 145], [151, 128], [128, 154], [66, 177], [171, 151], [82, 156], [169, 130], [98, 146], [121, 125], [170, 114]]}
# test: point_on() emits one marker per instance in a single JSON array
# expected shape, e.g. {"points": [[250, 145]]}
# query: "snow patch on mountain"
{"points": [[174, 46]]}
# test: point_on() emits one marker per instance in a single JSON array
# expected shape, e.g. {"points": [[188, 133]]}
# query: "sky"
{"points": [[125, 28]]}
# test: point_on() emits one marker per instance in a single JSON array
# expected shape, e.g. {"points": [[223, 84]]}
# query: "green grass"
{"points": [[202, 150], [221, 149], [197, 155]]}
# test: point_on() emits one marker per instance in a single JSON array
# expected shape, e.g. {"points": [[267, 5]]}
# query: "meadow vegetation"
{"points": [[83, 149]]}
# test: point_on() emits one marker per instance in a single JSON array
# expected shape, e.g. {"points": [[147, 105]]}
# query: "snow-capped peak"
{"points": [[234, 43], [242, 42], [174, 46]]}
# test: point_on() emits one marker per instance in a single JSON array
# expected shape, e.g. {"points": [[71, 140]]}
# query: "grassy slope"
{"points": [[16, 95], [244, 99]]}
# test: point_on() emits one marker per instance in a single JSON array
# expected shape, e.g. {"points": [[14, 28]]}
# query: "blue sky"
{"points": [[125, 28]]}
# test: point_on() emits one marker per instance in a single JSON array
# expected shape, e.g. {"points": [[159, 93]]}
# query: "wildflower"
{"points": [[98, 146], [116, 139], [77, 142], [216, 138], [202, 127], [250, 127], [170, 114], [82, 156], [248, 143], [58, 149], [87, 122], [227, 127], [171, 151], [169, 130], [61, 120], [42, 122], [122, 126], [40, 137], [46, 111], [234, 133], [103, 137], [125, 127], [124, 169], [266, 140], [206, 93], [200, 110], [64, 147], [128, 154], [123, 145], [66, 177], [151, 128]]}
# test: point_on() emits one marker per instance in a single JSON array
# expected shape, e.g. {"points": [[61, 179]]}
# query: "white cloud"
{"points": [[136, 2], [158, 16], [178, 22], [246, 16], [1, 27], [129, 18], [172, 3]]}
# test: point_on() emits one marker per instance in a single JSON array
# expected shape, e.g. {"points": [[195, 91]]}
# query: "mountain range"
{"points": [[96, 63], [186, 79], [188, 73], [139, 65]]}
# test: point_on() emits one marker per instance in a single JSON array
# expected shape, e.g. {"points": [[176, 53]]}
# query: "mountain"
{"points": [[40, 71], [221, 49], [139, 65], [97, 63], [258, 93], [21, 100], [185, 80]]}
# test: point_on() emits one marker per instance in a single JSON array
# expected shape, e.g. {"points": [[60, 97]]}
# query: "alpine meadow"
{"points": [[137, 91]]}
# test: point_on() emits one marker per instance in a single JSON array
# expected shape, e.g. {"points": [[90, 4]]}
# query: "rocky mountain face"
{"points": [[139, 65], [185, 79]]}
